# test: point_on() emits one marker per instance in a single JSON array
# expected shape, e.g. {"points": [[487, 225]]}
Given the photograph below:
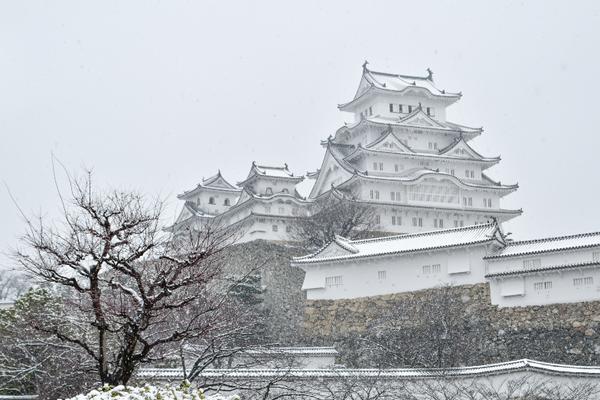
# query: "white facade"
{"points": [[358, 268], [546, 271], [399, 154], [525, 273]]}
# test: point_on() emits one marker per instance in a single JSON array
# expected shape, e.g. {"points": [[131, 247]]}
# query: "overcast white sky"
{"points": [[154, 95]]}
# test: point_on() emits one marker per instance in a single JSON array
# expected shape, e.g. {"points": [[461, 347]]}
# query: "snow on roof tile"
{"points": [[536, 246], [405, 243], [523, 365]]}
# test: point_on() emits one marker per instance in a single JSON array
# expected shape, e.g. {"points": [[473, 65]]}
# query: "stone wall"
{"points": [[568, 333], [283, 299]]}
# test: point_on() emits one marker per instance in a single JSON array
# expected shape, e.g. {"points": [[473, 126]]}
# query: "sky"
{"points": [[155, 95]]}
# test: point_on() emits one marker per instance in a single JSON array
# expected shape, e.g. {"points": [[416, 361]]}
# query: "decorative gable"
{"points": [[334, 249]]}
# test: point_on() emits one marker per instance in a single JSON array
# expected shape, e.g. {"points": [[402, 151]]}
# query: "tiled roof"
{"points": [[528, 247], [523, 271], [271, 172], [406, 243], [523, 365]]}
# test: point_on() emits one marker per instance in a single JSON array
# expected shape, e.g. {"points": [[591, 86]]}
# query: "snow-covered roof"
{"points": [[297, 351], [537, 246], [215, 183], [450, 127], [343, 249], [305, 187], [523, 365], [557, 267], [416, 174], [397, 83], [278, 172]]}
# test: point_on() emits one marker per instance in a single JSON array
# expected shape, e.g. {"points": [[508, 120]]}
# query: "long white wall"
{"points": [[394, 274]]}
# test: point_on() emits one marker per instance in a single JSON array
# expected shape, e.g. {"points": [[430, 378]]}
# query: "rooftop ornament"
{"points": [[429, 74]]}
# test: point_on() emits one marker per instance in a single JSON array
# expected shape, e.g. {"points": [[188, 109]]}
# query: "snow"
{"points": [[549, 244], [148, 392], [400, 82], [406, 243], [522, 365]]}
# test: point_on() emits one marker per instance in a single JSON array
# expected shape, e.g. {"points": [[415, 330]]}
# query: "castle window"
{"points": [[409, 109], [430, 112], [268, 209], [472, 174], [396, 220], [539, 286], [438, 222], [371, 193], [377, 195], [269, 191], [426, 269], [334, 281], [436, 268], [381, 166], [281, 210], [275, 228], [262, 220], [288, 228], [370, 110], [381, 275], [470, 201], [226, 202], [396, 167], [378, 219], [585, 281], [211, 200], [391, 107], [417, 221], [393, 196], [400, 108]]}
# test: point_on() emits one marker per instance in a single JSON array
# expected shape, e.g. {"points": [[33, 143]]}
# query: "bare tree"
{"points": [[132, 292], [337, 213], [524, 387], [430, 330]]}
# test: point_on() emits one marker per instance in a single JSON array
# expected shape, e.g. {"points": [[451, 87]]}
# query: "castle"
{"points": [[429, 191]]}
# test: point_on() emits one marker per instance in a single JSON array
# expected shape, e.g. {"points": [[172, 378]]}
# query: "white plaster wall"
{"points": [[563, 288], [202, 201], [403, 273]]}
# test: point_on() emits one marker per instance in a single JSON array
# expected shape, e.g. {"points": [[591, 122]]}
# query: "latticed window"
{"points": [[381, 275], [334, 281], [584, 281], [439, 193], [547, 285]]}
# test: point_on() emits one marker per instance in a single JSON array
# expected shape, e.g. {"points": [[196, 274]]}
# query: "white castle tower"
{"points": [[403, 157], [399, 155]]}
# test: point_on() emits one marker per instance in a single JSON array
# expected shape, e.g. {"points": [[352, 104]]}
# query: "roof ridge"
{"points": [[426, 233], [553, 238], [542, 269]]}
